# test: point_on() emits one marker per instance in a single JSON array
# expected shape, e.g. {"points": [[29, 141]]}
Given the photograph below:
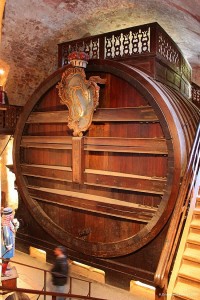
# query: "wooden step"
{"points": [[198, 202], [192, 253], [194, 236], [197, 211], [195, 223], [184, 289], [190, 270]]}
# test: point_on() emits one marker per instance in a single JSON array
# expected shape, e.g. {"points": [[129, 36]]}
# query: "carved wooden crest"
{"points": [[81, 97]]}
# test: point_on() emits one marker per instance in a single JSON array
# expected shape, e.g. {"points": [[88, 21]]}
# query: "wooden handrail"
{"points": [[9, 114], [53, 294], [179, 215], [45, 293]]}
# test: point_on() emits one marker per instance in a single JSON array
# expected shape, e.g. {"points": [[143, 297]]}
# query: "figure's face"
{"points": [[10, 216], [57, 251]]}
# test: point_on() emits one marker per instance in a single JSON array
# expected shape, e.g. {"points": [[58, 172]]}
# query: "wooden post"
{"points": [[0, 219], [77, 159], [160, 293]]}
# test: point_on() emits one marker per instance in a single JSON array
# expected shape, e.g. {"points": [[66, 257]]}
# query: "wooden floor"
{"points": [[33, 279]]}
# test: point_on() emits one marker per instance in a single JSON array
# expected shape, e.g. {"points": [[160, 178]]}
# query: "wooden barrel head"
{"points": [[111, 191]]}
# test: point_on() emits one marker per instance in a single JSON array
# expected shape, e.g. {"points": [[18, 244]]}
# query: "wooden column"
{"points": [[77, 159]]}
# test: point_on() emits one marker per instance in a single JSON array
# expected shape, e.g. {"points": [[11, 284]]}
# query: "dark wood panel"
{"points": [[129, 163], [100, 205], [119, 93], [143, 113], [125, 130], [49, 101], [47, 129], [51, 157]]}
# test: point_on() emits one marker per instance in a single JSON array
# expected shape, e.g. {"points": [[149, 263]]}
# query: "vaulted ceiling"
{"points": [[31, 30]]}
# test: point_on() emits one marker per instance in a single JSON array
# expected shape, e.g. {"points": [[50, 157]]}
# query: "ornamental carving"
{"points": [[81, 97]]}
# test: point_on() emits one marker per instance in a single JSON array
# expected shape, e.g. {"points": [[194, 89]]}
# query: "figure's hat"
{"points": [[7, 211], [78, 59]]}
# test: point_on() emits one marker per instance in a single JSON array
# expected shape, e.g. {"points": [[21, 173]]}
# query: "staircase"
{"points": [[178, 271], [185, 278]]}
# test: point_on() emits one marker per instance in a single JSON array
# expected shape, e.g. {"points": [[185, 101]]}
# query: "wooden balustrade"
{"points": [[172, 240], [147, 46], [196, 94], [9, 288], [127, 43], [9, 115]]}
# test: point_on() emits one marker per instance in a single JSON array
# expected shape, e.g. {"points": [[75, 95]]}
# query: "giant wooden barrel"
{"points": [[133, 157]]}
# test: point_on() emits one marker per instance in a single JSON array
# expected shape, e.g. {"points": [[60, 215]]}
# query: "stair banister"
{"points": [[53, 294], [38, 292], [161, 277]]}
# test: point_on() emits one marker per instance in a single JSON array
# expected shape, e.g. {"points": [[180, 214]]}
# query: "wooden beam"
{"points": [[128, 145], [115, 180], [128, 114], [49, 172], [123, 145], [124, 181], [47, 142], [46, 146], [137, 114], [77, 159], [47, 139], [93, 203]]}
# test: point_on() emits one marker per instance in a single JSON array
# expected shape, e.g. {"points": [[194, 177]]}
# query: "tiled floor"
{"points": [[33, 279]]}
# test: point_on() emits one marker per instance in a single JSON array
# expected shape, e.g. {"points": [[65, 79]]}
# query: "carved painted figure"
{"points": [[9, 226]]}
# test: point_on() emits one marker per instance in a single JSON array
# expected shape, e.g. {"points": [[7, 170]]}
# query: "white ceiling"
{"points": [[33, 28]]}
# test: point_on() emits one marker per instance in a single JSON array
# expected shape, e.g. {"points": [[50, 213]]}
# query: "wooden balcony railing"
{"points": [[179, 216], [9, 115], [149, 39], [44, 292], [196, 94]]}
